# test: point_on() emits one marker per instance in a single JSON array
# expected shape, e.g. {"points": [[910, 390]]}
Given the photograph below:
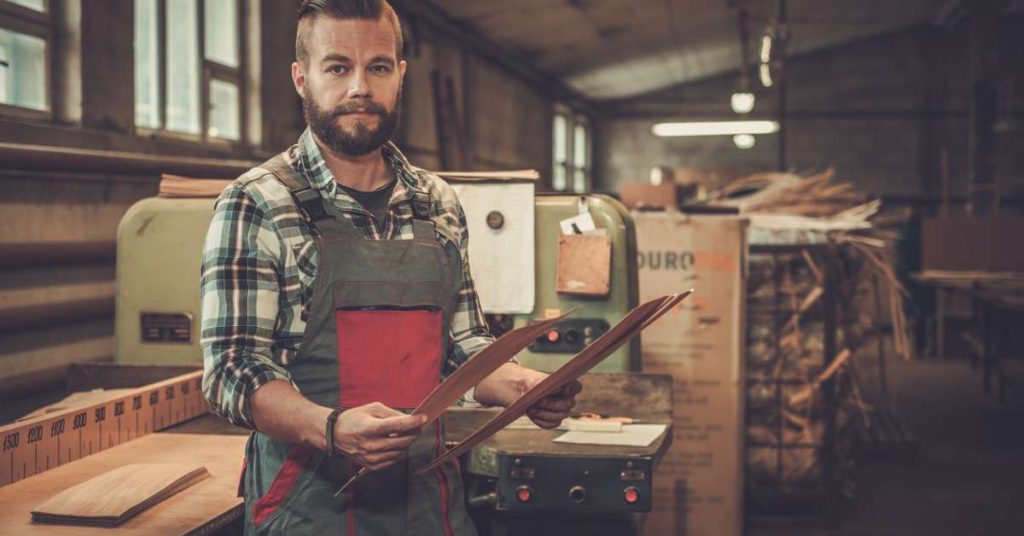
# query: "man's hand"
{"points": [[510, 381], [375, 436], [549, 411]]}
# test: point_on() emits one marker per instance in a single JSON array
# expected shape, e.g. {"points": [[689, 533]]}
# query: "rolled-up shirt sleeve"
{"points": [[470, 333], [240, 273]]}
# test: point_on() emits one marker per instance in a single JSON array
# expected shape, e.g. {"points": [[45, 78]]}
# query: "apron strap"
{"points": [[307, 198], [311, 203], [423, 229], [422, 226]]}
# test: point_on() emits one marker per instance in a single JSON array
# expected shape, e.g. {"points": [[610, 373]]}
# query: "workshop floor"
{"points": [[969, 476]]}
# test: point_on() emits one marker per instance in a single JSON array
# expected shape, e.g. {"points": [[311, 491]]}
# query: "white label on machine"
{"points": [[501, 246]]}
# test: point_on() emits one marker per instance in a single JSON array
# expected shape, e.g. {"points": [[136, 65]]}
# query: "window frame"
{"points": [[570, 167], [27, 21], [208, 70], [581, 121], [557, 165]]}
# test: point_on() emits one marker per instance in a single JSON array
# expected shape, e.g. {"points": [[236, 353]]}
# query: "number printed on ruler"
{"points": [[42, 443]]}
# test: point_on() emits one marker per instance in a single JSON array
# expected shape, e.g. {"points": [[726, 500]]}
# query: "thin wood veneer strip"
{"points": [[481, 365], [630, 325], [115, 496]]}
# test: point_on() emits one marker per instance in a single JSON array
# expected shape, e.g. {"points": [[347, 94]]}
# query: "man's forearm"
{"points": [[503, 386], [281, 412]]}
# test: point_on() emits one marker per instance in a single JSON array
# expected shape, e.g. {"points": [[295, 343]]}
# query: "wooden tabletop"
{"points": [[203, 507]]}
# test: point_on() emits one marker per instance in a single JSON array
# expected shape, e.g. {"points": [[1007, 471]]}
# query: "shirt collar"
{"points": [[310, 162]]}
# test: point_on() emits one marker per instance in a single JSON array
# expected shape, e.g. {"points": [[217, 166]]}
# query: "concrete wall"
{"points": [[56, 311], [881, 110]]}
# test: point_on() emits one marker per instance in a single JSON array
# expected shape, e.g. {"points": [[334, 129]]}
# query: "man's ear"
{"points": [[401, 69], [299, 78]]}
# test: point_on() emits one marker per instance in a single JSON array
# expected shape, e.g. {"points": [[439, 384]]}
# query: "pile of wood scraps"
{"points": [[788, 368]]}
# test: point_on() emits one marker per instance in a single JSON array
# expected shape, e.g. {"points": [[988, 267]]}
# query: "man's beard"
{"points": [[364, 140]]}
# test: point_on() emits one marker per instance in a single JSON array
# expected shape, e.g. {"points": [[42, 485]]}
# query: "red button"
{"points": [[554, 335], [523, 493], [631, 495]]}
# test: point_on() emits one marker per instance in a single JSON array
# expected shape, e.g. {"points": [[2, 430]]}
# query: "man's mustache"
{"points": [[363, 108]]}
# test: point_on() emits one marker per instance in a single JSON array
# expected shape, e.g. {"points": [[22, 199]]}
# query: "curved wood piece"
{"points": [[630, 325], [481, 365]]}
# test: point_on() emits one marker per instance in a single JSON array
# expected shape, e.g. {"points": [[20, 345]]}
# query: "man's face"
{"points": [[351, 88]]}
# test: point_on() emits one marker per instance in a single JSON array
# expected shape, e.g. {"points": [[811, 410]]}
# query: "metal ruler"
{"points": [[33, 446]]}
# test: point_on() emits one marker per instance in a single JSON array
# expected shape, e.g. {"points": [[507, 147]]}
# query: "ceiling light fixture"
{"points": [[714, 128], [742, 102], [765, 73], [744, 141], [766, 48]]}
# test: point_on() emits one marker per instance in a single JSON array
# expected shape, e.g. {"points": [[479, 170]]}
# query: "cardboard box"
{"points": [[699, 484], [639, 194]]}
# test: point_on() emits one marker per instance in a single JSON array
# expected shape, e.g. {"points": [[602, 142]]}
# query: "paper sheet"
{"points": [[502, 259], [632, 435]]}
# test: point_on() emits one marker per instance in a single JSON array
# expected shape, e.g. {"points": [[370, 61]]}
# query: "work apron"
{"points": [[376, 331]]}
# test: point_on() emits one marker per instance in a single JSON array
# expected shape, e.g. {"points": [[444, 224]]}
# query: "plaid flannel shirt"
{"points": [[260, 259]]}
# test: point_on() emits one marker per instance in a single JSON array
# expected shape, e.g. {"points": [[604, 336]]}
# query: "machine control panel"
{"points": [[570, 336], [567, 483]]}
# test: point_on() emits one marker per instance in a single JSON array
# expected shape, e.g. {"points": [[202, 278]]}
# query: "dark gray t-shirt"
{"points": [[376, 202]]}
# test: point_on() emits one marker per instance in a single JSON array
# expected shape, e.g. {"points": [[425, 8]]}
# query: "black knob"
{"points": [[577, 494]]}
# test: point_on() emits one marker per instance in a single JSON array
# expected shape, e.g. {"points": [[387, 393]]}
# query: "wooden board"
{"points": [[37, 445], [113, 497], [207, 503]]}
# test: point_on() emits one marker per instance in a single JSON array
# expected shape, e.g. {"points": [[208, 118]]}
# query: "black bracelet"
{"points": [[331, 419]]}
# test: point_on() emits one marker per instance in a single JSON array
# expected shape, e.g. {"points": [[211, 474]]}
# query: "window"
{"points": [[580, 157], [571, 153], [560, 170], [25, 30], [188, 74]]}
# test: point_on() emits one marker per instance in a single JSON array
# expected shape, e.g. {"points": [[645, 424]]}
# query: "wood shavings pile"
{"points": [[787, 371]]}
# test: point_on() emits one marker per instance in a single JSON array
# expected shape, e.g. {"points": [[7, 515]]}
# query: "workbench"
{"points": [[212, 504], [997, 298]]}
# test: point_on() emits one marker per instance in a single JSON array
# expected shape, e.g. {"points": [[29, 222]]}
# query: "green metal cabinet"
{"points": [[612, 216]]}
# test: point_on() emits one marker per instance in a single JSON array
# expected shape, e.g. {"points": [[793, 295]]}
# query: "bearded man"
{"points": [[337, 294]]}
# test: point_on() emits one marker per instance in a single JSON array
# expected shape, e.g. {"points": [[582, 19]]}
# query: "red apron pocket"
{"points": [[282, 485], [388, 356]]}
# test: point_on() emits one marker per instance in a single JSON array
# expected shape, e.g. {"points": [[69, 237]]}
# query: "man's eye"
{"points": [[380, 69], [337, 69]]}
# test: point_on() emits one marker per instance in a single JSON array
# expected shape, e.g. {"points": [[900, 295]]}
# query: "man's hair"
{"points": [[342, 9]]}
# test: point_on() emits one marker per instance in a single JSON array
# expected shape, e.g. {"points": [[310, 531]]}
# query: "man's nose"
{"points": [[359, 86]]}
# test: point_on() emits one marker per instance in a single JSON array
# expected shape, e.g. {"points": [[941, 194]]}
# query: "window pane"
{"points": [[579, 146], [147, 65], [38, 5], [220, 18], [224, 110], [579, 181], [561, 152], [579, 158], [182, 66], [22, 70]]}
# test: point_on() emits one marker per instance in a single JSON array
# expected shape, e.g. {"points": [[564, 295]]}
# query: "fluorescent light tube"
{"points": [[714, 128]]}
